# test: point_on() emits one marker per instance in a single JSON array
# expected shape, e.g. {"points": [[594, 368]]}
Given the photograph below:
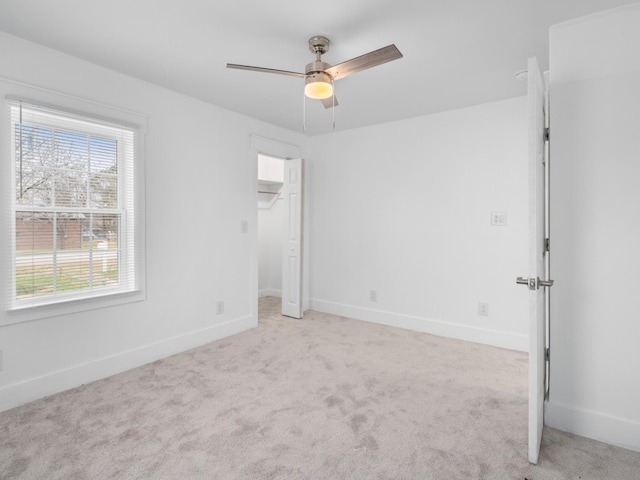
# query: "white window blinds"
{"points": [[74, 212]]}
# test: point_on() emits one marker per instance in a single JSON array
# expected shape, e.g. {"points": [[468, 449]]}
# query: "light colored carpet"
{"points": [[321, 398]]}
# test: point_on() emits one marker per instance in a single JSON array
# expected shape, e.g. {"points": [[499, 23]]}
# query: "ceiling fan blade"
{"points": [[266, 70], [330, 102], [368, 60]]}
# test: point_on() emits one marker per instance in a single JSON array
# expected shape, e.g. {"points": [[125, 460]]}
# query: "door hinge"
{"points": [[547, 355], [547, 245], [546, 134]]}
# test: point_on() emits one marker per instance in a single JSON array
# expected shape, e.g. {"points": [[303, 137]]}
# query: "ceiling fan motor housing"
{"points": [[315, 67]]}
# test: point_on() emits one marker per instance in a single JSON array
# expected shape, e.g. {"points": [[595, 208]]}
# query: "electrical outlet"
{"points": [[244, 226], [219, 307], [373, 296], [483, 309]]}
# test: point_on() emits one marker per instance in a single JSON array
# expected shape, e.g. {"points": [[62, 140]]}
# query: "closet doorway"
{"points": [[280, 231]]}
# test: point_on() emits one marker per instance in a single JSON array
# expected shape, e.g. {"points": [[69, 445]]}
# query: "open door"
{"points": [[537, 280], [292, 245]]}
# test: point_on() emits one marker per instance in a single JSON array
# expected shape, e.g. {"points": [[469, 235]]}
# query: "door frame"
{"points": [[272, 148]]}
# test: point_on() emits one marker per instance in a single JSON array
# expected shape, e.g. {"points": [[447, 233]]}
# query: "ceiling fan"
{"points": [[319, 76]]}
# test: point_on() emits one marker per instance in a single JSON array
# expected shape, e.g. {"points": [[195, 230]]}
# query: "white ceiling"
{"points": [[457, 53]]}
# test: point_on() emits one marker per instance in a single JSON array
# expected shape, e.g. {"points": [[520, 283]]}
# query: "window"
{"points": [[76, 232]]}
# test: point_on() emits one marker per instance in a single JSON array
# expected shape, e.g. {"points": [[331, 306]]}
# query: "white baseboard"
{"points": [[426, 325], [595, 425], [270, 292], [35, 388]]}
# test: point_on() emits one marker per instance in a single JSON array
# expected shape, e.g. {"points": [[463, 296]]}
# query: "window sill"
{"points": [[28, 313]]}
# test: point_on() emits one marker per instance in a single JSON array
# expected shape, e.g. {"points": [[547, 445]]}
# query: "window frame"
{"points": [[62, 304]]}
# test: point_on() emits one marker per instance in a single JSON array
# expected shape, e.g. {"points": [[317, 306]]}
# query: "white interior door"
{"points": [[292, 245], [537, 247]]}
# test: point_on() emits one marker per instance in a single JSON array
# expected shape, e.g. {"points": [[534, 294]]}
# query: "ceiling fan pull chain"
{"points": [[304, 113], [333, 108]]}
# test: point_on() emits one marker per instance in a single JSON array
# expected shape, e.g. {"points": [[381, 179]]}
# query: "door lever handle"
{"points": [[534, 283]]}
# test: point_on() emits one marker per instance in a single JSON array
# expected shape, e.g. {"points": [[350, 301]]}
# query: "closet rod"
{"points": [[272, 193]]}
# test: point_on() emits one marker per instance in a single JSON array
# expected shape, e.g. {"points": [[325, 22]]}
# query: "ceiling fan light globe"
{"points": [[318, 86], [318, 90]]}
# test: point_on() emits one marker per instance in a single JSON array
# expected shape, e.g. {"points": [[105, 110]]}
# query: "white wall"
{"points": [[270, 169], [270, 228], [595, 229], [200, 185], [404, 209]]}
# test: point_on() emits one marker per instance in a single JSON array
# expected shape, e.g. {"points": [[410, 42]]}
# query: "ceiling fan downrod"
{"points": [[318, 45]]}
